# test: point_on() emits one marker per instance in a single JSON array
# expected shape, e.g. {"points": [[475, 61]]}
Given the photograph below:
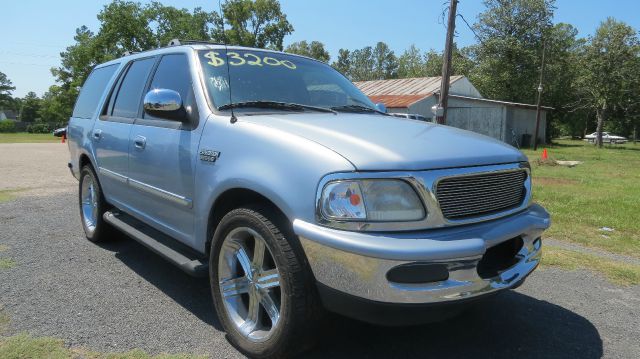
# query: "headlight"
{"points": [[374, 200]]}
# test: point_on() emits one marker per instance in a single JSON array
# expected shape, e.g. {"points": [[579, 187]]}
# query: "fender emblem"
{"points": [[209, 155]]}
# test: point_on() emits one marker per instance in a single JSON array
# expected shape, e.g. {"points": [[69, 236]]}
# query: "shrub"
{"points": [[7, 126], [39, 128]]}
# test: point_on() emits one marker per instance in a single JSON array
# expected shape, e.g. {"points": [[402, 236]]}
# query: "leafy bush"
{"points": [[39, 128], [7, 126]]}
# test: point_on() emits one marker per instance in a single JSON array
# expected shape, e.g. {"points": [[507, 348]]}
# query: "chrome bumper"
{"points": [[356, 263]]}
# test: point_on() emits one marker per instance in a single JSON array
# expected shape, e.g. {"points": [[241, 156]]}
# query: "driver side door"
{"points": [[162, 155]]}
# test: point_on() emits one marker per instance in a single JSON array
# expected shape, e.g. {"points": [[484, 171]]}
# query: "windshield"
{"points": [[266, 76]]}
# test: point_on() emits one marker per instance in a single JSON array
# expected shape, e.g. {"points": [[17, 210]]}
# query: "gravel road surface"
{"points": [[120, 296]]}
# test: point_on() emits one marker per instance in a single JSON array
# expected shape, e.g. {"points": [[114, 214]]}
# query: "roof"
{"points": [[193, 45], [402, 93], [506, 103], [398, 93], [9, 114], [397, 101]]}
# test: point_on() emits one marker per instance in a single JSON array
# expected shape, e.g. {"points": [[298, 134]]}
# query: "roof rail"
{"points": [[177, 42], [127, 53]]}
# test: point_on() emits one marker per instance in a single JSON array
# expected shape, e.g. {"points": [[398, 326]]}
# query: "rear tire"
{"points": [[287, 311], [92, 206]]}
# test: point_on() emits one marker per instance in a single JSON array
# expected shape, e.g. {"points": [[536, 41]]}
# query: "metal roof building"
{"points": [[507, 121]]}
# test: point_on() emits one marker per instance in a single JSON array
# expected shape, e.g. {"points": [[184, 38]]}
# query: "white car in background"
{"points": [[606, 137], [411, 116]]}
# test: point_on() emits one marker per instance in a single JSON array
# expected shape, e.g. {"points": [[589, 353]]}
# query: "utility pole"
{"points": [[441, 110], [535, 132]]}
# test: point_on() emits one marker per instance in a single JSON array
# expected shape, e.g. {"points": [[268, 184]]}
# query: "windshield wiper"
{"points": [[277, 105], [356, 108]]}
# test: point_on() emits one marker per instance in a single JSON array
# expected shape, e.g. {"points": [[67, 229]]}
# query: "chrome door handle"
{"points": [[97, 134], [140, 142]]}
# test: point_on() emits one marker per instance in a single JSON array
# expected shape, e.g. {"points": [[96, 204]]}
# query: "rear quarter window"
{"points": [[92, 91]]}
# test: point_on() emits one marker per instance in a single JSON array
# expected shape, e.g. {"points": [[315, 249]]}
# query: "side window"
{"points": [[92, 90], [129, 97], [173, 74]]}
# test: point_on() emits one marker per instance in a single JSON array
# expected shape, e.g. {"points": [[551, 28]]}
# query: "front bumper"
{"points": [[357, 263]]}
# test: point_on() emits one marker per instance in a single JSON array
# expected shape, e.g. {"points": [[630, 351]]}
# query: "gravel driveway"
{"points": [[120, 296]]}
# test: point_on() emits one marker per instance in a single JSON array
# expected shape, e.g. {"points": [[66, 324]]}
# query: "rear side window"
{"points": [[92, 90], [129, 96]]}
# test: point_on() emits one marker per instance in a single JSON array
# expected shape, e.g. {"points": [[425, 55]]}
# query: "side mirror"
{"points": [[164, 103], [381, 107]]}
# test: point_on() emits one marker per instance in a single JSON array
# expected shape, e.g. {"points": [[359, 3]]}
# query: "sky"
{"points": [[34, 32]]}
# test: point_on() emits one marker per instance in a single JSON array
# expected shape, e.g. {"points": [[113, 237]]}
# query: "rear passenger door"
{"points": [[111, 131], [162, 155]]}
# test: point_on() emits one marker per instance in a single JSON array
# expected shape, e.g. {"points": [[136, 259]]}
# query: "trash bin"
{"points": [[526, 140]]}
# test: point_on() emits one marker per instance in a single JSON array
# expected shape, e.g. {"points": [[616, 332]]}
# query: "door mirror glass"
{"points": [[164, 103], [381, 107]]}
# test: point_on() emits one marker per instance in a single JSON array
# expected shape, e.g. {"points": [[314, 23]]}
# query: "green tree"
{"points": [[6, 89], [559, 81], [508, 55], [125, 26], [30, 107], [315, 50], [461, 62], [371, 63], [343, 63], [171, 23], [609, 66], [411, 63], [56, 105], [385, 62], [362, 64], [254, 23]]}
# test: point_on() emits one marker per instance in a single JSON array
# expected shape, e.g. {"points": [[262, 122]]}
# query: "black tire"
{"points": [[101, 230], [300, 312]]}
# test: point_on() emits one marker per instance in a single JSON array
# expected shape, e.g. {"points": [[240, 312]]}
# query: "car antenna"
{"points": [[233, 119]]}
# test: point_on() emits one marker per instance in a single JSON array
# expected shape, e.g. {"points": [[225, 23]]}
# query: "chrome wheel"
{"points": [[89, 203], [249, 284]]}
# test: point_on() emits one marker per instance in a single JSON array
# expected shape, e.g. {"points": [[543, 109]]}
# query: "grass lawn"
{"points": [[616, 271], [24, 137], [604, 191], [25, 346]]}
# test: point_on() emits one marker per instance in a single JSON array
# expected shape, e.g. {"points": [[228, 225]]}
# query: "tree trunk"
{"points": [[600, 114]]}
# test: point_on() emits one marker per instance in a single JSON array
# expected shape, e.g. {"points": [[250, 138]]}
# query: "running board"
{"points": [[168, 248]]}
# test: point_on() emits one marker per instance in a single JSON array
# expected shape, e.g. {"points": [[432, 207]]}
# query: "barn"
{"points": [[510, 122]]}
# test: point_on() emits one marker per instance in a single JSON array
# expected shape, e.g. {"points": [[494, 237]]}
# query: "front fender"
{"points": [[280, 166]]}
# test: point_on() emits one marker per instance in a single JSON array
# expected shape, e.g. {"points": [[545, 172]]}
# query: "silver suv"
{"points": [[273, 175]]}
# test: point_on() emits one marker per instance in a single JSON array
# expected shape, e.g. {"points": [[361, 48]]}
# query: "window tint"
{"points": [[129, 96], [92, 90], [173, 74]]}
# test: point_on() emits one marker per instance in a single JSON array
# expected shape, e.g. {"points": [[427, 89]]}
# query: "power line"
{"points": [[26, 54], [26, 64], [471, 28]]}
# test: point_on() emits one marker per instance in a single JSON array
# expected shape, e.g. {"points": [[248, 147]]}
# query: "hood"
{"points": [[386, 143]]}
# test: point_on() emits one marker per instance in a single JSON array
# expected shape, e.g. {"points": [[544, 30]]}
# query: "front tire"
{"points": [[262, 290], [92, 206]]}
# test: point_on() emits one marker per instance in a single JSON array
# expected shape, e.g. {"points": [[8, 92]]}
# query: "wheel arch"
{"points": [[236, 198]]}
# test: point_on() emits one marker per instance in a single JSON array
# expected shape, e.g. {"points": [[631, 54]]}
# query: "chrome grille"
{"points": [[482, 194]]}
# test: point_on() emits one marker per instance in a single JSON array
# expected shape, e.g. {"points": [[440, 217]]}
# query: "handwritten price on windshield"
{"points": [[235, 59]]}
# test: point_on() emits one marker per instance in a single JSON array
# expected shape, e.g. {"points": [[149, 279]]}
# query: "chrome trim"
{"points": [[424, 183], [113, 175], [357, 263], [181, 200], [365, 277], [162, 100], [160, 193], [526, 199]]}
